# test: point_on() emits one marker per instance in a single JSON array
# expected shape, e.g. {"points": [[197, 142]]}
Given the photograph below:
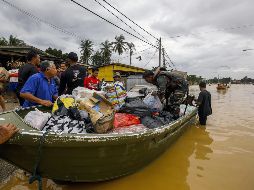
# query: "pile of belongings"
{"points": [[88, 111], [151, 115], [101, 112]]}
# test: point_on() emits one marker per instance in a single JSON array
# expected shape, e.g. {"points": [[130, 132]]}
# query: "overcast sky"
{"points": [[212, 33]]}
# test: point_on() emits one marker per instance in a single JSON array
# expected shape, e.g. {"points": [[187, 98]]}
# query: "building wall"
{"points": [[107, 71]]}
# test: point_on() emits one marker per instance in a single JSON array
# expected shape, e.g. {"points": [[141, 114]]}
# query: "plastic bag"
{"points": [[37, 119], [125, 120], [136, 107], [81, 92], [153, 102]]}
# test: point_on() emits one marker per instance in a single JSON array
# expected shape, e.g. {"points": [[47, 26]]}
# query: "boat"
{"points": [[221, 86], [86, 157]]}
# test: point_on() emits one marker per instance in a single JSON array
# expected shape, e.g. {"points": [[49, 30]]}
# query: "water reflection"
{"points": [[167, 172], [219, 156]]}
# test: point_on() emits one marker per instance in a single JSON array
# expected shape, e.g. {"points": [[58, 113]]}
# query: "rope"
{"points": [[186, 103], [36, 176]]}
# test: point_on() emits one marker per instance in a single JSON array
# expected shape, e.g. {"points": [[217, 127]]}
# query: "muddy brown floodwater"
{"points": [[218, 157]]}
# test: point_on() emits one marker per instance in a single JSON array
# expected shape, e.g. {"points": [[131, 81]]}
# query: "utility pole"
{"points": [[163, 57], [160, 52], [130, 55]]}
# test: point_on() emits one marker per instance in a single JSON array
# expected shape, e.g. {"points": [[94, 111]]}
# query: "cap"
{"points": [[73, 56], [117, 74]]}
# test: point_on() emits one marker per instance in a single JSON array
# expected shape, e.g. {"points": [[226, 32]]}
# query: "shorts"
{"points": [[13, 86]]}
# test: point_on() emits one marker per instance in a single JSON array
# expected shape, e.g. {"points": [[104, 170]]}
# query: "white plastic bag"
{"points": [[153, 102], [81, 92], [37, 119]]}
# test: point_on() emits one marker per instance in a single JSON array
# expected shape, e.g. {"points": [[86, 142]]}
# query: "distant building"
{"points": [[18, 53], [107, 71]]}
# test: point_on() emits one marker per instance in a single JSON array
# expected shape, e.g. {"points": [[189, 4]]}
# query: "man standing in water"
{"points": [[204, 104]]}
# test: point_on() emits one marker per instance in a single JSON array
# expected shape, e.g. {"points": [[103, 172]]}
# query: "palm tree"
{"points": [[86, 50], [131, 47], [119, 44], [14, 41], [106, 51], [3, 42]]}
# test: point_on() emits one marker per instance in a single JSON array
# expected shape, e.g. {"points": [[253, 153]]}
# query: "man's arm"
{"points": [[32, 98], [200, 99], [162, 85], [29, 90]]}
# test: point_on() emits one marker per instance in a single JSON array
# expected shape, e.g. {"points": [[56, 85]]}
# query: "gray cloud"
{"points": [[207, 42]]}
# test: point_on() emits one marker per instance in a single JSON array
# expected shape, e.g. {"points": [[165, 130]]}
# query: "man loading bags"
{"points": [[172, 89]]}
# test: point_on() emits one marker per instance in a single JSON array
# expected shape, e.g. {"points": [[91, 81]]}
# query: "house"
{"points": [[107, 71]]}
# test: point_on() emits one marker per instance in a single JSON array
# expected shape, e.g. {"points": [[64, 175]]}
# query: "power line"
{"points": [[137, 52], [43, 21], [131, 20], [121, 20], [151, 58], [111, 23], [206, 32]]}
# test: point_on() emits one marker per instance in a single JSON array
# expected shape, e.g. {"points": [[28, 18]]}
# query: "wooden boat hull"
{"points": [[89, 157]]}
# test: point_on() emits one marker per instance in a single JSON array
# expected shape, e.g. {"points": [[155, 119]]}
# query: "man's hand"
{"points": [[7, 131], [46, 103]]}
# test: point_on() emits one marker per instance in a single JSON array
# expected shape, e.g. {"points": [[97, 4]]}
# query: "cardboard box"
{"points": [[101, 112]]}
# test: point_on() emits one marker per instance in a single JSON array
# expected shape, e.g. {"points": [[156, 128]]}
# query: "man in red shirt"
{"points": [[92, 82]]}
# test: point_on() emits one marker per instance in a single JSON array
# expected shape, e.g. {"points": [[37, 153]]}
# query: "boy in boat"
{"points": [[92, 82], [204, 104], [172, 88]]}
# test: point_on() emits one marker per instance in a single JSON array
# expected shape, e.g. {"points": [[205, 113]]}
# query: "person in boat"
{"points": [[116, 92], [92, 82], [7, 131], [204, 104], [73, 77], [172, 89], [27, 70], [40, 88]]}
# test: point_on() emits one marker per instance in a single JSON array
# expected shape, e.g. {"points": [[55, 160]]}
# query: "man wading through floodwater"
{"points": [[204, 104]]}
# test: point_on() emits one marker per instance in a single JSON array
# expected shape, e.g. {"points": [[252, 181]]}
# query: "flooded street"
{"points": [[220, 156]]}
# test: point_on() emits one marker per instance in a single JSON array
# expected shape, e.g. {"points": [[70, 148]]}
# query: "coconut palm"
{"points": [[86, 50], [119, 44], [3, 42], [131, 48], [14, 41], [106, 51]]}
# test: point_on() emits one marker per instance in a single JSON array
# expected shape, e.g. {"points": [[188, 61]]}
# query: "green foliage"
{"points": [[3, 42], [106, 51], [97, 59], [86, 50], [193, 79], [119, 44], [13, 41], [56, 52]]}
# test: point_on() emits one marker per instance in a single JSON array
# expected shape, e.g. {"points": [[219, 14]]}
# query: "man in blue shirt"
{"points": [[40, 88]]}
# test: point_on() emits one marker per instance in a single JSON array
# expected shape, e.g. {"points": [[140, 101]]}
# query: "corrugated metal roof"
{"points": [[23, 50]]}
